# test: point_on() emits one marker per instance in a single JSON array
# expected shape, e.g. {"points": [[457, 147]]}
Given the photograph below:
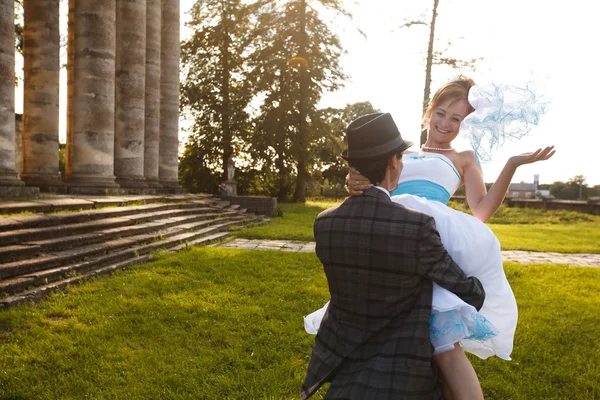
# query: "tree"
{"points": [[436, 57], [332, 137], [574, 189], [215, 90], [296, 59], [19, 26], [194, 174], [578, 180]]}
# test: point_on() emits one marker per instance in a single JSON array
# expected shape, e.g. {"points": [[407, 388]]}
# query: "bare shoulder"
{"points": [[467, 155], [467, 158]]}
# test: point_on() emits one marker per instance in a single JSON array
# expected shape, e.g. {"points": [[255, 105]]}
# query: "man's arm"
{"points": [[436, 264]]}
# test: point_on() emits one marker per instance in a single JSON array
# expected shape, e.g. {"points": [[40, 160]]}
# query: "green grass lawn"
{"points": [[517, 229], [296, 223], [582, 237], [211, 323]]}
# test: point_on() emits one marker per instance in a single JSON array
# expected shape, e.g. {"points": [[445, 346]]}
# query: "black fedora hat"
{"points": [[373, 136]]}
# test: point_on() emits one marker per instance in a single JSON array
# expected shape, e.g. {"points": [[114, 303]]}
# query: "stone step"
{"points": [[17, 269], [34, 286], [33, 248], [21, 235], [45, 205], [39, 292], [42, 252], [13, 223], [62, 203]]}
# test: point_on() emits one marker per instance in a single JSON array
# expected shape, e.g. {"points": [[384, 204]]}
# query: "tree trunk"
{"points": [[225, 114], [302, 140], [283, 176], [427, 91]]}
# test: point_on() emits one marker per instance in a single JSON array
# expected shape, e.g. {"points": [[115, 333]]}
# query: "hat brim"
{"points": [[405, 145]]}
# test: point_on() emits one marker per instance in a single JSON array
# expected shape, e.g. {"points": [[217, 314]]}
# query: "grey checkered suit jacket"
{"points": [[380, 259]]}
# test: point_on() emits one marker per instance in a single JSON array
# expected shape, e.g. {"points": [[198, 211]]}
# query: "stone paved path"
{"points": [[586, 260]]}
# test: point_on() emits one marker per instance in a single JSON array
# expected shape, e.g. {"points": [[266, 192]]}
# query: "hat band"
{"points": [[376, 151]]}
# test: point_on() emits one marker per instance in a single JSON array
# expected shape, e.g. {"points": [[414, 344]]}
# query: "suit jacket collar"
{"points": [[374, 192]]}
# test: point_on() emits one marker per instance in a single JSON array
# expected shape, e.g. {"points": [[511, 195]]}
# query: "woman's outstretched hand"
{"points": [[528, 158], [356, 183]]}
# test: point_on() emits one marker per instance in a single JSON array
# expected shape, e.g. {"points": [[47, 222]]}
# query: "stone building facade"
{"points": [[123, 98]]}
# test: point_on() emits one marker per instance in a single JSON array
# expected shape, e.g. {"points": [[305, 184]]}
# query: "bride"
{"points": [[428, 180]]}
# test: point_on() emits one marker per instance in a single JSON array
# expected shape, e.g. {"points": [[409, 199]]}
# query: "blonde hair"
{"points": [[455, 90]]}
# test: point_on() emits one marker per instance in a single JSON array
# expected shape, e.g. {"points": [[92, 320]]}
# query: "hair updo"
{"points": [[455, 90]]}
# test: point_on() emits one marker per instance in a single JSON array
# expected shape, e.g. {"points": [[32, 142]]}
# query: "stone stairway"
{"points": [[49, 250]]}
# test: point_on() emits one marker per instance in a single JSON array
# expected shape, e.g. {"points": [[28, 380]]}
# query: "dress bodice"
{"points": [[428, 175]]}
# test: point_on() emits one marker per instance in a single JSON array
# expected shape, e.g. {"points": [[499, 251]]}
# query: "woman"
{"points": [[427, 182]]}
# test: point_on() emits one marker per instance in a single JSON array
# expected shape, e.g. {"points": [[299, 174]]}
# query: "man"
{"points": [[380, 259]]}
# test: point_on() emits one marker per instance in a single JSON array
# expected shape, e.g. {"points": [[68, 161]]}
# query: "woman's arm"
{"points": [[484, 204], [356, 183]]}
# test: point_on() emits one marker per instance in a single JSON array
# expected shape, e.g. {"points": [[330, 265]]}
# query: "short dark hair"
{"points": [[374, 169]]}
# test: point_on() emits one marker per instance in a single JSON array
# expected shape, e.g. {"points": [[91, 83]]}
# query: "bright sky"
{"points": [[551, 42]]}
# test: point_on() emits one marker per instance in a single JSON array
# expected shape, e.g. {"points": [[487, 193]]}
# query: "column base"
{"points": [[19, 191], [11, 180], [170, 187], [46, 183], [153, 183], [53, 189], [91, 181], [144, 191], [96, 191], [132, 182]]}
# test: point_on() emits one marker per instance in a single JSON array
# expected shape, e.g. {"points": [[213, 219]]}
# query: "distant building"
{"points": [[522, 190]]}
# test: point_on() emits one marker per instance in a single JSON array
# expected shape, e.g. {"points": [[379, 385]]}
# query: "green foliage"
{"points": [[331, 142], [62, 148], [574, 189], [215, 89], [19, 26], [277, 55], [194, 174], [210, 323], [295, 60]]}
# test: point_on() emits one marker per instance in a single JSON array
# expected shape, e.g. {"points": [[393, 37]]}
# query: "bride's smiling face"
{"points": [[445, 120]]}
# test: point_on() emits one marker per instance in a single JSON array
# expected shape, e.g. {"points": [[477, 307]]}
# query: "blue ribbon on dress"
{"points": [[422, 188]]}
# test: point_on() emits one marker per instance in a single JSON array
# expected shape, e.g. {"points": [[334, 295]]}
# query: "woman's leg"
{"points": [[460, 378]]}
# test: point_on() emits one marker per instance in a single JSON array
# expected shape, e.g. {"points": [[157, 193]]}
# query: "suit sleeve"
{"points": [[436, 265]]}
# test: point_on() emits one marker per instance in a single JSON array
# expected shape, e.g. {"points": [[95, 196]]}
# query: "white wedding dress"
{"points": [[426, 184]]}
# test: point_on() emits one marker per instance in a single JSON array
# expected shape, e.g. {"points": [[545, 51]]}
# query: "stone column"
{"points": [[41, 52], [169, 94], [91, 96], [152, 120], [130, 99], [8, 174]]}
